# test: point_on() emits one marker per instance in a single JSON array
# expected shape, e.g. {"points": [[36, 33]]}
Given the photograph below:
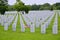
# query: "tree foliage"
{"points": [[45, 6], [35, 7], [19, 6], [56, 6], [3, 6]]}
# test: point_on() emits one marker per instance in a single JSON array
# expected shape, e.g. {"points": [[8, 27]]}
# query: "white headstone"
{"points": [[43, 29], [6, 26], [14, 27], [32, 28], [55, 29], [55, 26], [22, 24]]}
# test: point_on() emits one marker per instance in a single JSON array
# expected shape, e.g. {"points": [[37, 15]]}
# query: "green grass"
{"points": [[18, 35]]}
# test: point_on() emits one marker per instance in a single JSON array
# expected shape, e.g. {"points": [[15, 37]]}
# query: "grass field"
{"points": [[18, 35]]}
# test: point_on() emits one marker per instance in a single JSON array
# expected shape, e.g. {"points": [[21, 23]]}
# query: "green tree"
{"points": [[27, 8], [19, 6], [45, 6], [56, 6], [3, 6], [35, 7]]}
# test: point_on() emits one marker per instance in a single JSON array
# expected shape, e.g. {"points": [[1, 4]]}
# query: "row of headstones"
{"points": [[32, 27], [36, 18], [10, 12], [43, 27], [29, 22], [57, 11], [46, 25], [55, 26], [8, 23], [5, 21], [22, 24], [15, 23], [36, 21]]}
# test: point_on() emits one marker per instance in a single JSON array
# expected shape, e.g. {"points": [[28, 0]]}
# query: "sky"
{"points": [[31, 2]]}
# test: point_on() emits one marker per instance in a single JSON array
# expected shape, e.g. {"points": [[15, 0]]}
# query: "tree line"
{"points": [[20, 6]]}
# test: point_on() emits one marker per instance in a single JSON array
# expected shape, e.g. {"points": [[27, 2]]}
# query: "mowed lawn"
{"points": [[18, 35]]}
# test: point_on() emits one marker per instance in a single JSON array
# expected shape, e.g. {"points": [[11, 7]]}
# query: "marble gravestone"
{"points": [[22, 24], [6, 26], [43, 29], [55, 26], [32, 28], [14, 24], [14, 27], [55, 29]]}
